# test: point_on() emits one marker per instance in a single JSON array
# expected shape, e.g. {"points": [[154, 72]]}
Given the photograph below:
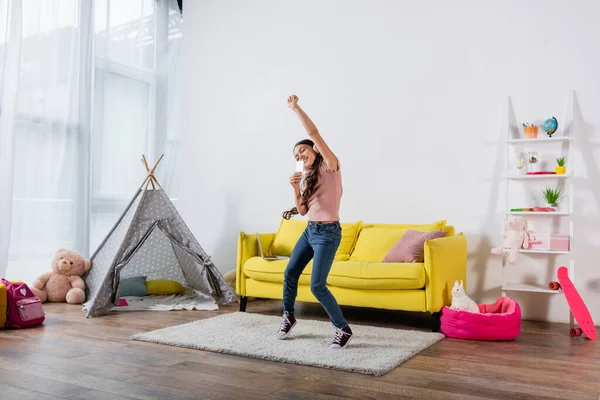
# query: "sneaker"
{"points": [[287, 323], [342, 337]]}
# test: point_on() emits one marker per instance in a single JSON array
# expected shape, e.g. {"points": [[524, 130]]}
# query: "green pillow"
{"points": [[134, 286]]}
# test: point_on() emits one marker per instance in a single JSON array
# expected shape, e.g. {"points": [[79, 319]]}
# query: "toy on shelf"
{"points": [[533, 161], [550, 126], [516, 237], [549, 242], [460, 300], [521, 164], [560, 167], [531, 131], [577, 306]]}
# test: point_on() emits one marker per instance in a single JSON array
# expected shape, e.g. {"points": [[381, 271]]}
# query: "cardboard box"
{"points": [[550, 242]]}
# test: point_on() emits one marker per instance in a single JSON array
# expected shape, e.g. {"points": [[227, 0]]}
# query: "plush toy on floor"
{"points": [[516, 236], [460, 300], [64, 282], [230, 278]]}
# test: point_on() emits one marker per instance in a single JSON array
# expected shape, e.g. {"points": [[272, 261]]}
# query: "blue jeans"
{"points": [[321, 242]]}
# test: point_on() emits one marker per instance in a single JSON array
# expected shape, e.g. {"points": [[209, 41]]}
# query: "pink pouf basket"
{"points": [[498, 321]]}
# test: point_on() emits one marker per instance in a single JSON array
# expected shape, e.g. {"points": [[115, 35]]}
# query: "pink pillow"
{"points": [[411, 246]]}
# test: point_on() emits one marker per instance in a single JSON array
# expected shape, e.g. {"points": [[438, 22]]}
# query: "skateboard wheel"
{"points": [[575, 331], [554, 286]]}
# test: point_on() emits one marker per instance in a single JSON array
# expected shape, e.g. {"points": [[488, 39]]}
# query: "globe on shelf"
{"points": [[550, 126]]}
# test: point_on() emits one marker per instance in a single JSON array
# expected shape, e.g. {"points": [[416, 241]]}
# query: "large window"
{"points": [[136, 52], [98, 88]]}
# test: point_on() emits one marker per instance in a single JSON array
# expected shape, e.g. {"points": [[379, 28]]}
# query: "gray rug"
{"points": [[372, 350]]}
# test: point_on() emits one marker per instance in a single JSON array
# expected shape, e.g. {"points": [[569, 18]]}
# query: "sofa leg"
{"points": [[435, 321], [243, 302]]}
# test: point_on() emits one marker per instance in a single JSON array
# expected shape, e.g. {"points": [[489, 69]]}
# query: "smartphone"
{"points": [[300, 166]]}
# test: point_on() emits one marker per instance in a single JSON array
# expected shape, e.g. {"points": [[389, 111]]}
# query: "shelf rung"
{"points": [[556, 139], [540, 251], [540, 176], [548, 213], [528, 287]]}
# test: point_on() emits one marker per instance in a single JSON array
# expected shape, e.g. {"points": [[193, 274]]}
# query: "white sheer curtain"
{"points": [[46, 128], [10, 54], [97, 79]]}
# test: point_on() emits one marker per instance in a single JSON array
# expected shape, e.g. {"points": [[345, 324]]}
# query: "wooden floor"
{"points": [[72, 357]]}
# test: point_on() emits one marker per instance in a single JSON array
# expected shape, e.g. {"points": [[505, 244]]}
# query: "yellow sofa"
{"points": [[358, 277]]}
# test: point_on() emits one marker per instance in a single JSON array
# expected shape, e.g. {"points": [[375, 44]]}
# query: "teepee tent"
{"points": [[151, 239]]}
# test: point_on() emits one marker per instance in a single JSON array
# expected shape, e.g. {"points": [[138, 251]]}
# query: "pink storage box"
{"points": [[549, 241]]}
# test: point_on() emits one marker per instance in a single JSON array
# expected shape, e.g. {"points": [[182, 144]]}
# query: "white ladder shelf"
{"points": [[514, 145]]}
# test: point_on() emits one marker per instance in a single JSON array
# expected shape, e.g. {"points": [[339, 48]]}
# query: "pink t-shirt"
{"points": [[324, 204]]}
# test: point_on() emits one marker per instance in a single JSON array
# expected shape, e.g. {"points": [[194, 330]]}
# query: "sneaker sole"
{"points": [[286, 335]]}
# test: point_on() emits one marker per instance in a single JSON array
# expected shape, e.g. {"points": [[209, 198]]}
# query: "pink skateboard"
{"points": [[577, 306]]}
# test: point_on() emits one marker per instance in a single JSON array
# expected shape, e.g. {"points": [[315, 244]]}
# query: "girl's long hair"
{"points": [[310, 181]]}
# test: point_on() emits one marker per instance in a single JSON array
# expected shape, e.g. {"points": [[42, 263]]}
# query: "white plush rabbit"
{"points": [[460, 300]]}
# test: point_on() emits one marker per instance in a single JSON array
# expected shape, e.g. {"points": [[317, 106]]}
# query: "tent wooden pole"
{"points": [[143, 183], [150, 178], [147, 170], [154, 169], [156, 181], [145, 163], [156, 165]]}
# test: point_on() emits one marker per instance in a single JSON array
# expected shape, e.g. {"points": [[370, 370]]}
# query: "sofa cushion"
{"points": [[441, 224], [164, 287], [350, 231], [349, 274], [290, 231], [361, 275], [272, 271], [286, 237], [134, 286], [374, 242], [411, 246]]}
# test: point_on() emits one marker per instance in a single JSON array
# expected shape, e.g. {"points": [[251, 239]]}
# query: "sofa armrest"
{"points": [[445, 262], [248, 248]]}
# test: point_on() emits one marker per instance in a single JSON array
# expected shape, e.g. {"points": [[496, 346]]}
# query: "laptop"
{"points": [[268, 257]]}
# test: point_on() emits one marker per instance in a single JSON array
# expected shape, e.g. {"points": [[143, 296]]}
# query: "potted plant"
{"points": [[552, 196], [560, 168]]}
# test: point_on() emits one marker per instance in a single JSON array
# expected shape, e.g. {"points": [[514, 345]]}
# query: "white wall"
{"points": [[410, 95]]}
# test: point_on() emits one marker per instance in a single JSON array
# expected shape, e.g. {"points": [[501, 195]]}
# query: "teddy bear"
{"points": [[64, 282], [516, 236]]}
